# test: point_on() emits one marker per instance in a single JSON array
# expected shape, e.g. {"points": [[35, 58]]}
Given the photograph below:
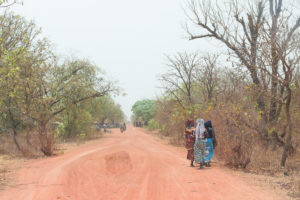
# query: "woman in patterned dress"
{"points": [[190, 140], [200, 143]]}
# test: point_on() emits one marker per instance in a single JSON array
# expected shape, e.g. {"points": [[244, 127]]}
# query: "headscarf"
{"points": [[200, 129], [189, 123], [208, 124]]}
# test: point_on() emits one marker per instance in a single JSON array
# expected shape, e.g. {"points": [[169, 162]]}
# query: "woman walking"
{"points": [[211, 142], [200, 143], [190, 140]]}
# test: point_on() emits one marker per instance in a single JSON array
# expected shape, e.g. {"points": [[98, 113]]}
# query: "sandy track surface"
{"points": [[127, 166]]}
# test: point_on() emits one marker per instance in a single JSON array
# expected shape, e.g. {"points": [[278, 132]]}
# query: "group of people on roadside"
{"points": [[200, 142]]}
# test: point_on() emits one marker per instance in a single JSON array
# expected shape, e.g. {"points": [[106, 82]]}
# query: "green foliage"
{"points": [[18, 48], [3, 2], [144, 110], [104, 109], [60, 130], [36, 89], [8, 3], [153, 125], [77, 121]]}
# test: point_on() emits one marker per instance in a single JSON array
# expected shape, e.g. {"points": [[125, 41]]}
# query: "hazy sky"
{"points": [[126, 38]]}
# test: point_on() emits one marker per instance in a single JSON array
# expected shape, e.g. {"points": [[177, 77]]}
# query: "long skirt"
{"points": [[199, 151], [210, 149], [190, 154], [189, 145]]}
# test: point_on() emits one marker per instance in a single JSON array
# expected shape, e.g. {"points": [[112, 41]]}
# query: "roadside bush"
{"points": [[242, 141], [77, 122], [29, 145], [234, 132], [153, 125]]}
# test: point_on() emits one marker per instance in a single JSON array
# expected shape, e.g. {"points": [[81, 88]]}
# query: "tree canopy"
{"points": [[37, 88], [143, 110]]}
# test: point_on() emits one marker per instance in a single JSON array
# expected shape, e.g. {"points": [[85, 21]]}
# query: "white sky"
{"points": [[127, 39]]}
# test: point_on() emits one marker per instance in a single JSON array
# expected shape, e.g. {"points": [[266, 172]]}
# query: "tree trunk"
{"points": [[288, 143], [15, 140], [14, 128], [273, 103], [275, 11], [274, 79], [46, 139]]}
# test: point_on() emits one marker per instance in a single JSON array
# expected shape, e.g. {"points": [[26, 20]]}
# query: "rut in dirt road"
{"points": [[129, 166]]}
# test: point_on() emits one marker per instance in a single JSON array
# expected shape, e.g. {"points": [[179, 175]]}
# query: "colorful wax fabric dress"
{"points": [[189, 144], [209, 149], [211, 141], [200, 142], [199, 150]]}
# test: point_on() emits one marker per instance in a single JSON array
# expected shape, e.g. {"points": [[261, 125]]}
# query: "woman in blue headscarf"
{"points": [[211, 142]]}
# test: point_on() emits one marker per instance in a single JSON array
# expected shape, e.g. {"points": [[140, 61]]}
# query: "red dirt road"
{"points": [[127, 166]]}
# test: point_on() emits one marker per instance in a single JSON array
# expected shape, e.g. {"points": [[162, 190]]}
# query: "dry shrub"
{"points": [[29, 144], [243, 143], [235, 135], [233, 125], [175, 131], [94, 135], [47, 144], [265, 160], [298, 188], [170, 126]]}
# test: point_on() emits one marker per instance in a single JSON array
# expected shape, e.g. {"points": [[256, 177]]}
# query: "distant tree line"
{"points": [[143, 112]]}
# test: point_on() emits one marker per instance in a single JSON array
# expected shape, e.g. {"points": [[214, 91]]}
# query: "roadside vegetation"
{"points": [[44, 98], [143, 112], [250, 91]]}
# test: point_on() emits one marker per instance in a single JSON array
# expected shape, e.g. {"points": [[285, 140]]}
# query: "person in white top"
{"points": [[200, 143]]}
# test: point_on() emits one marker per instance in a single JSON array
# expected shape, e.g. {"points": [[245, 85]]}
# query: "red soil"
{"points": [[129, 166]]}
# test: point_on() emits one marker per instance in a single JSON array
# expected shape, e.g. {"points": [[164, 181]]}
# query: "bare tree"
{"points": [[282, 52], [179, 81], [7, 3], [266, 43], [207, 76], [280, 29], [236, 29], [240, 28]]}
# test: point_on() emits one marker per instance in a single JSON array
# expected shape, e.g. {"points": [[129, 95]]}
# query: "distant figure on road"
{"points": [[104, 128], [200, 143], [211, 142], [190, 140], [124, 126]]}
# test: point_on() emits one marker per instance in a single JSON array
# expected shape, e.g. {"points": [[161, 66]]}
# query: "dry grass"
{"points": [[29, 144], [287, 187], [9, 165]]}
